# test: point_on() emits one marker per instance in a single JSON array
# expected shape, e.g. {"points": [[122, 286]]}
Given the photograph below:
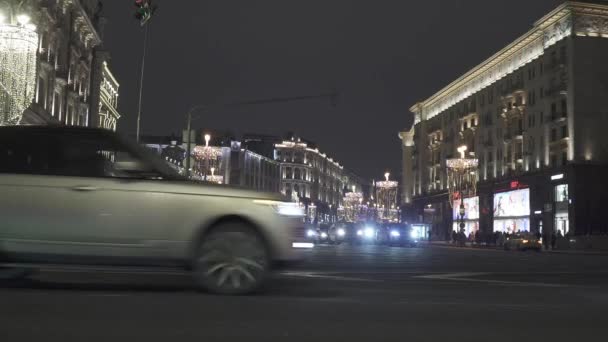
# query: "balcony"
{"points": [[555, 90]]}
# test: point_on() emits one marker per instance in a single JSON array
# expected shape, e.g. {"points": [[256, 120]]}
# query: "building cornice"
{"points": [[582, 19]]}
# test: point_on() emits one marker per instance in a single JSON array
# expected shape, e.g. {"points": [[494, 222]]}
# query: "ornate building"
{"points": [[70, 63], [534, 114], [314, 179]]}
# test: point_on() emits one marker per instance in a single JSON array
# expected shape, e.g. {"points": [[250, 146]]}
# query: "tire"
{"points": [[231, 260]]}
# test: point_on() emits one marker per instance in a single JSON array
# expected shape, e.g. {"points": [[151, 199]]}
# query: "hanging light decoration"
{"points": [[18, 49], [386, 194], [462, 181], [462, 176], [353, 202], [17, 71]]}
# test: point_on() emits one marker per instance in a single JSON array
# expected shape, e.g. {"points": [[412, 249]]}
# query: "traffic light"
{"points": [[144, 11]]}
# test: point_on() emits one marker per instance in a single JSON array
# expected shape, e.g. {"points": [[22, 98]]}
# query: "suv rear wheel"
{"points": [[231, 260]]}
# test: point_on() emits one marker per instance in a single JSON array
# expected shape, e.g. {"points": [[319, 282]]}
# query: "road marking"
{"points": [[327, 276], [466, 277]]}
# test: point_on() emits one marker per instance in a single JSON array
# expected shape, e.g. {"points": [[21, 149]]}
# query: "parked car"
{"points": [[523, 242], [88, 197]]}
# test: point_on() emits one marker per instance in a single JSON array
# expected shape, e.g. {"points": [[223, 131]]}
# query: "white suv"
{"points": [[88, 197]]}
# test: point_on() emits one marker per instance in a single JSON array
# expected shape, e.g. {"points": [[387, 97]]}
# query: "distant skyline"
{"points": [[382, 56]]}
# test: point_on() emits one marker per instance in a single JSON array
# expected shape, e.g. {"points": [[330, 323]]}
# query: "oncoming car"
{"points": [[87, 197], [523, 242]]}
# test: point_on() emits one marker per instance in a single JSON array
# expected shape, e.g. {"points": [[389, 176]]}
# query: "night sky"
{"points": [[382, 56]]}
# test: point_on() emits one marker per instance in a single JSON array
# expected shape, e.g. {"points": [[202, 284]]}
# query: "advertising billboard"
{"points": [[470, 227], [512, 204], [471, 209], [512, 226]]}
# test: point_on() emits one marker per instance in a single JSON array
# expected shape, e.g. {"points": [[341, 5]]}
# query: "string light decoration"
{"points": [[206, 158], [351, 210], [386, 194], [18, 46], [462, 180]]}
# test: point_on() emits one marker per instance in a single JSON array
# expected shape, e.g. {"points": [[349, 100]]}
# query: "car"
{"points": [[80, 196], [323, 234], [366, 233], [401, 235], [523, 242], [338, 233]]}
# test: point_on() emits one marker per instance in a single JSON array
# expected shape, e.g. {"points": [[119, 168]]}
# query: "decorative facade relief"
{"points": [[593, 26], [558, 31]]}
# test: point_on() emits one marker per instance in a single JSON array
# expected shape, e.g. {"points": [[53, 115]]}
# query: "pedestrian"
{"points": [[553, 240]]}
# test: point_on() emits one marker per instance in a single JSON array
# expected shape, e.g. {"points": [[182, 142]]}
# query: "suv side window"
{"points": [[99, 156]]}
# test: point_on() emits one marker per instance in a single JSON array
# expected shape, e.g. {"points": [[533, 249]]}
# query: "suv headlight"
{"points": [[288, 209]]}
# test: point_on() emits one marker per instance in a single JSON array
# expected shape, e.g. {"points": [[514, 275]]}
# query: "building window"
{"points": [[564, 158], [542, 92], [553, 111], [564, 108], [542, 117], [553, 134], [564, 131]]}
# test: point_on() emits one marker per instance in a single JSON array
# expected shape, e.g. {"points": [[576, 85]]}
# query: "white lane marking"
{"points": [[465, 276], [327, 276]]}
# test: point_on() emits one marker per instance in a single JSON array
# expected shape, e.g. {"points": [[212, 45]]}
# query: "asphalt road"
{"points": [[342, 293]]}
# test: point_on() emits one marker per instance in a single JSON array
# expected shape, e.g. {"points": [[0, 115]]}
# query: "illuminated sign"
{"points": [[557, 177], [512, 204]]}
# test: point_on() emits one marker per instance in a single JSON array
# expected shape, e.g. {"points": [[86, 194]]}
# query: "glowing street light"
{"points": [[23, 19], [207, 139]]}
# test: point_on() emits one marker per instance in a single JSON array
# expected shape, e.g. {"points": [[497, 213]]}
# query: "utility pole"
{"points": [[143, 13]]}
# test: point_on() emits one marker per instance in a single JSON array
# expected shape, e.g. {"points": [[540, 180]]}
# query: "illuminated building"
{"points": [[220, 158], [534, 116], [71, 76], [313, 178]]}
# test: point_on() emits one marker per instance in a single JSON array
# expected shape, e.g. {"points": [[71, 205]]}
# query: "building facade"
{"points": [[314, 179], [73, 83], [534, 115], [221, 159]]}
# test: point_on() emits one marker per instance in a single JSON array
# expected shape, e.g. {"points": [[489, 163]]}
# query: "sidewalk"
{"points": [[470, 245]]}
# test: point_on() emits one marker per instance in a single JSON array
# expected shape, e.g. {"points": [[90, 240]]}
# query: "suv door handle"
{"points": [[85, 188]]}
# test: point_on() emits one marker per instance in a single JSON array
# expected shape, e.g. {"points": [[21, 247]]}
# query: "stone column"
{"points": [[407, 146]]}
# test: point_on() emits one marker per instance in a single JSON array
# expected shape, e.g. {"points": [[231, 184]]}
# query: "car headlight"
{"points": [[525, 241], [324, 235], [359, 232], [414, 235], [311, 233], [395, 233], [288, 209], [369, 232], [341, 232]]}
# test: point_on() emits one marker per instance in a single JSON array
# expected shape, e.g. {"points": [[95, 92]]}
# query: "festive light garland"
{"points": [[18, 46]]}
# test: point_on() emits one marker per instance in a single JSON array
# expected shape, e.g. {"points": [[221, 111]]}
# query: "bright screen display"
{"points": [[471, 209], [512, 204], [470, 227], [512, 226]]}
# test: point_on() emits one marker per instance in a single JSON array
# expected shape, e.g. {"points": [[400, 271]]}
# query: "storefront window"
{"points": [[561, 193], [512, 211]]}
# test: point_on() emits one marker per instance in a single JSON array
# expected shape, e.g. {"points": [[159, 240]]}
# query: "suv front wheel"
{"points": [[232, 260]]}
